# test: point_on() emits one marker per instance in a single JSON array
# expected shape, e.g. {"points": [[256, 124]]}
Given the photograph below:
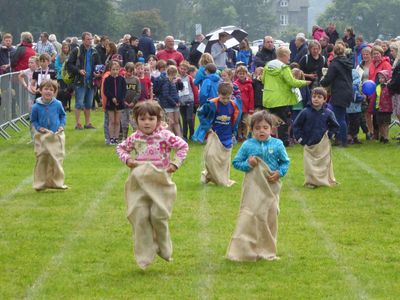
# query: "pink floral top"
{"points": [[155, 148]]}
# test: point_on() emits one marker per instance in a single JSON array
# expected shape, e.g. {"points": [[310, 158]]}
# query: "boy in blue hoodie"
{"points": [[48, 119], [219, 119], [354, 110], [209, 87], [312, 128]]}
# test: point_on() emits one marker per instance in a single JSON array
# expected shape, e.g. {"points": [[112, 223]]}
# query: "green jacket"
{"points": [[278, 83]]}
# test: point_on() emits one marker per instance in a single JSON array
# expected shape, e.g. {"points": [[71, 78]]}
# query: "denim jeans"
{"points": [[83, 97]]}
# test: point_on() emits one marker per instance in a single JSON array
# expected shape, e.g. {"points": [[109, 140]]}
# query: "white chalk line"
{"points": [[329, 244], [375, 174], [28, 180]]}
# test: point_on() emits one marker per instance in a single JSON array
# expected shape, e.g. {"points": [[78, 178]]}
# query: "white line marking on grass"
{"points": [[56, 261], [28, 180], [375, 174], [23, 139], [329, 244]]}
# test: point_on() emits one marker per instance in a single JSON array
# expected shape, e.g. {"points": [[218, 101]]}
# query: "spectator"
{"points": [[267, 53], [182, 48], [194, 55], [146, 44], [318, 32], [278, 95], [20, 59], [101, 48], [324, 41], [360, 45], [218, 51], [339, 78], [169, 52], [82, 63], [44, 46], [349, 38], [311, 64], [7, 50], [111, 50], [332, 33], [244, 54], [56, 44], [125, 49], [301, 46]]}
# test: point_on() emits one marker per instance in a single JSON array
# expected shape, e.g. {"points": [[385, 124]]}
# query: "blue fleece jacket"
{"points": [[311, 125], [272, 152], [50, 115], [169, 97], [209, 88]]}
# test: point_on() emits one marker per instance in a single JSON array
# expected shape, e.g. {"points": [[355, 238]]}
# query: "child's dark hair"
{"points": [[225, 88], [171, 62], [150, 107], [263, 115], [211, 68], [320, 91]]}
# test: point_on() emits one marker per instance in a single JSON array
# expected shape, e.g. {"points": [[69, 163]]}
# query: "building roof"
{"points": [[296, 5]]}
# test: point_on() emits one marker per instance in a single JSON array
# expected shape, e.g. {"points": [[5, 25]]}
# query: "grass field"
{"points": [[339, 243]]}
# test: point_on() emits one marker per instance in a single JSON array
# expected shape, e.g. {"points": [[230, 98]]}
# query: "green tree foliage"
{"points": [[64, 18], [372, 18], [136, 20]]}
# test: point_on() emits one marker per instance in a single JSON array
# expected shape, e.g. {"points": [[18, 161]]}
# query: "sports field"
{"points": [[338, 243]]}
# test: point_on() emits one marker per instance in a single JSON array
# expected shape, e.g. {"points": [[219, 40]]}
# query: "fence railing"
{"points": [[14, 104]]}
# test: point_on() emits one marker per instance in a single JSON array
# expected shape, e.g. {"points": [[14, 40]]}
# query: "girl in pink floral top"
{"points": [[152, 142]]}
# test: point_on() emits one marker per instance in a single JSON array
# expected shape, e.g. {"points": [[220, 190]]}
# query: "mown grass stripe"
{"points": [[28, 180], [329, 244], [57, 259], [375, 174]]}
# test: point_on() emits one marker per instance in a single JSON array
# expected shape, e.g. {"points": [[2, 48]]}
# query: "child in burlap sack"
{"points": [[219, 119], [149, 190], [265, 161], [313, 128], [48, 120]]}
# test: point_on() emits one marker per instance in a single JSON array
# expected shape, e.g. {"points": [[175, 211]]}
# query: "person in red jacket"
{"points": [[20, 59], [169, 52], [379, 63], [245, 85]]}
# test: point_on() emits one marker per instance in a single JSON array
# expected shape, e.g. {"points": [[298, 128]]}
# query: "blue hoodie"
{"points": [[358, 98], [49, 115], [209, 88], [272, 152], [311, 125]]}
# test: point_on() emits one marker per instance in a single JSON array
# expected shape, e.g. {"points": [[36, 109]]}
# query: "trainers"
{"points": [[89, 126], [78, 127]]}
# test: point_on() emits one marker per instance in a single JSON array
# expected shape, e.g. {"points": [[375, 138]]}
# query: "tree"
{"points": [[136, 20], [372, 18]]}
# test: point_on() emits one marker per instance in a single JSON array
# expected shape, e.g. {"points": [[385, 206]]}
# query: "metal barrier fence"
{"points": [[14, 104]]}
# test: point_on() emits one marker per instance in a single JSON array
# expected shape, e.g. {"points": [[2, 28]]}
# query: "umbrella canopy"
{"points": [[236, 35]]}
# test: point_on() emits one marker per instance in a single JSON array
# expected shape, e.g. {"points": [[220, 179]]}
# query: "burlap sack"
{"points": [[318, 166], [149, 195], [50, 152], [256, 230], [217, 161]]}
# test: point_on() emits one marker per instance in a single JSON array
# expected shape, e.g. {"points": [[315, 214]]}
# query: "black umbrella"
{"points": [[236, 35]]}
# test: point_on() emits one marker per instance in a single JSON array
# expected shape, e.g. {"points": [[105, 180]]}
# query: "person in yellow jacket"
{"points": [[279, 90]]}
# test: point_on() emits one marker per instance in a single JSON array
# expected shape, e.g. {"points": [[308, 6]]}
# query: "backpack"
{"points": [[67, 76]]}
